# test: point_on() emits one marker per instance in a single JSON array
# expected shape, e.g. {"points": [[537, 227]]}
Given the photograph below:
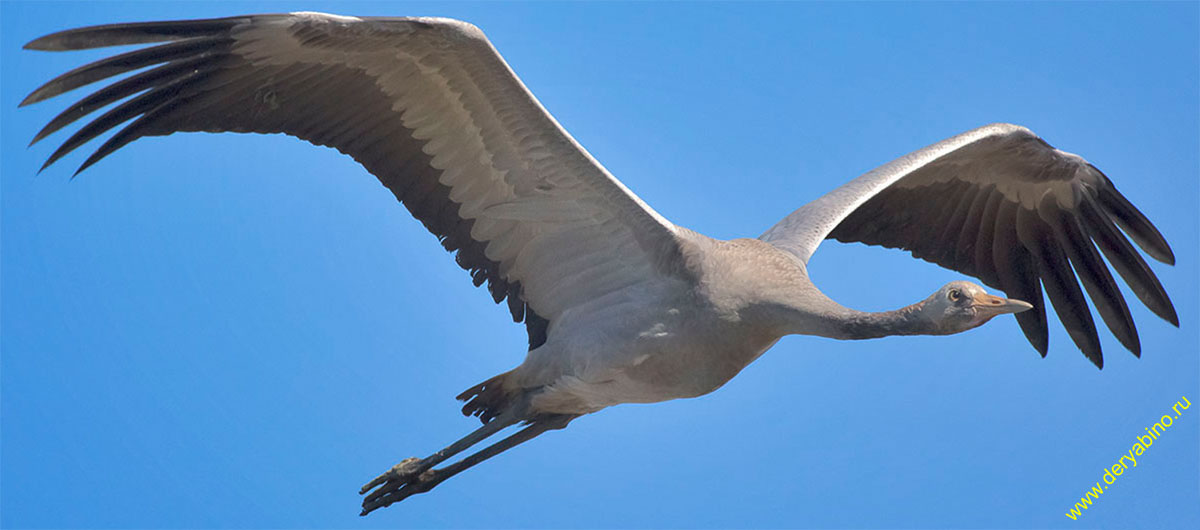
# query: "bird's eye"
{"points": [[954, 295]]}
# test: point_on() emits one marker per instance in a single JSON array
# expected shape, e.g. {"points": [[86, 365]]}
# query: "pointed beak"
{"points": [[989, 306]]}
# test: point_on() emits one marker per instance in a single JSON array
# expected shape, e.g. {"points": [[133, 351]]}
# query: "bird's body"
{"points": [[621, 305], [672, 337]]}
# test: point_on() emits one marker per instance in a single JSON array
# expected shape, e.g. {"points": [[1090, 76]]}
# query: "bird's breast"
{"points": [[678, 353]]}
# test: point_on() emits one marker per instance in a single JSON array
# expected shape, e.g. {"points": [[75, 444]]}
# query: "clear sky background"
{"points": [[235, 331]]}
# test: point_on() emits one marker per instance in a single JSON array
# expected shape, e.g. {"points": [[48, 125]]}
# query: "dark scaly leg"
{"points": [[410, 468], [400, 487]]}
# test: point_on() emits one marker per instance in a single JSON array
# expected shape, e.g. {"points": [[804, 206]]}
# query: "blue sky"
{"points": [[234, 331]]}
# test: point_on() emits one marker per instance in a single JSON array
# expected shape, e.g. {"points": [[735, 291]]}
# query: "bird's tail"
{"points": [[489, 398]]}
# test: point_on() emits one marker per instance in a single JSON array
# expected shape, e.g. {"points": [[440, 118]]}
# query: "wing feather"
{"points": [[1132, 268], [1001, 204], [968, 235], [1017, 276], [1059, 282], [1093, 274], [426, 105]]}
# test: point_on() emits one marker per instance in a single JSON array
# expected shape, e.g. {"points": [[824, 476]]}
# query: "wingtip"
{"points": [[1156, 244], [41, 135], [86, 164], [1040, 343], [1159, 250], [1168, 312], [29, 100], [49, 43], [42, 93], [65, 40], [1134, 345], [1095, 356], [1041, 347], [34, 45], [1169, 257]]}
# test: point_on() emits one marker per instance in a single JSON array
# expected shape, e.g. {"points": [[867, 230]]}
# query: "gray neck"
{"points": [[794, 306], [818, 315], [904, 321]]}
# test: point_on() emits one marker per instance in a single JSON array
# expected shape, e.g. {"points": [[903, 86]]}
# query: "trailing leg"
{"points": [[410, 468], [399, 487]]}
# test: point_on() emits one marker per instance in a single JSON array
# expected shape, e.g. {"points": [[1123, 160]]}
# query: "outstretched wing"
{"points": [[1001, 204], [426, 105]]}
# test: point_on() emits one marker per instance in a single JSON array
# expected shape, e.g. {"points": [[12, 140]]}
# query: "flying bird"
{"points": [[620, 304]]}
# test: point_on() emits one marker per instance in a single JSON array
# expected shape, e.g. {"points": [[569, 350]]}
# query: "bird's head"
{"points": [[959, 306]]}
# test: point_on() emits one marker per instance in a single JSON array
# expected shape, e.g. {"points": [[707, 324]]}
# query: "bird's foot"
{"points": [[402, 481], [405, 468]]}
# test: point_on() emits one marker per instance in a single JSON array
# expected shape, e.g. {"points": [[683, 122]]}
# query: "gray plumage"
{"points": [[621, 305]]}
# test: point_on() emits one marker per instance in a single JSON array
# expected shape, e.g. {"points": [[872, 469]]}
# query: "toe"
{"points": [[397, 472]]}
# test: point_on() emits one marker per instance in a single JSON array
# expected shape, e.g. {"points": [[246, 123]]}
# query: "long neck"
{"points": [[904, 321], [812, 313], [794, 306]]}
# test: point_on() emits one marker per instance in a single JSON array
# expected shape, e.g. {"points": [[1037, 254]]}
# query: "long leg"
{"points": [[412, 467], [395, 490]]}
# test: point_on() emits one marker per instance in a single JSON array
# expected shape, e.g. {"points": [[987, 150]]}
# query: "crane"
{"points": [[620, 304]]}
